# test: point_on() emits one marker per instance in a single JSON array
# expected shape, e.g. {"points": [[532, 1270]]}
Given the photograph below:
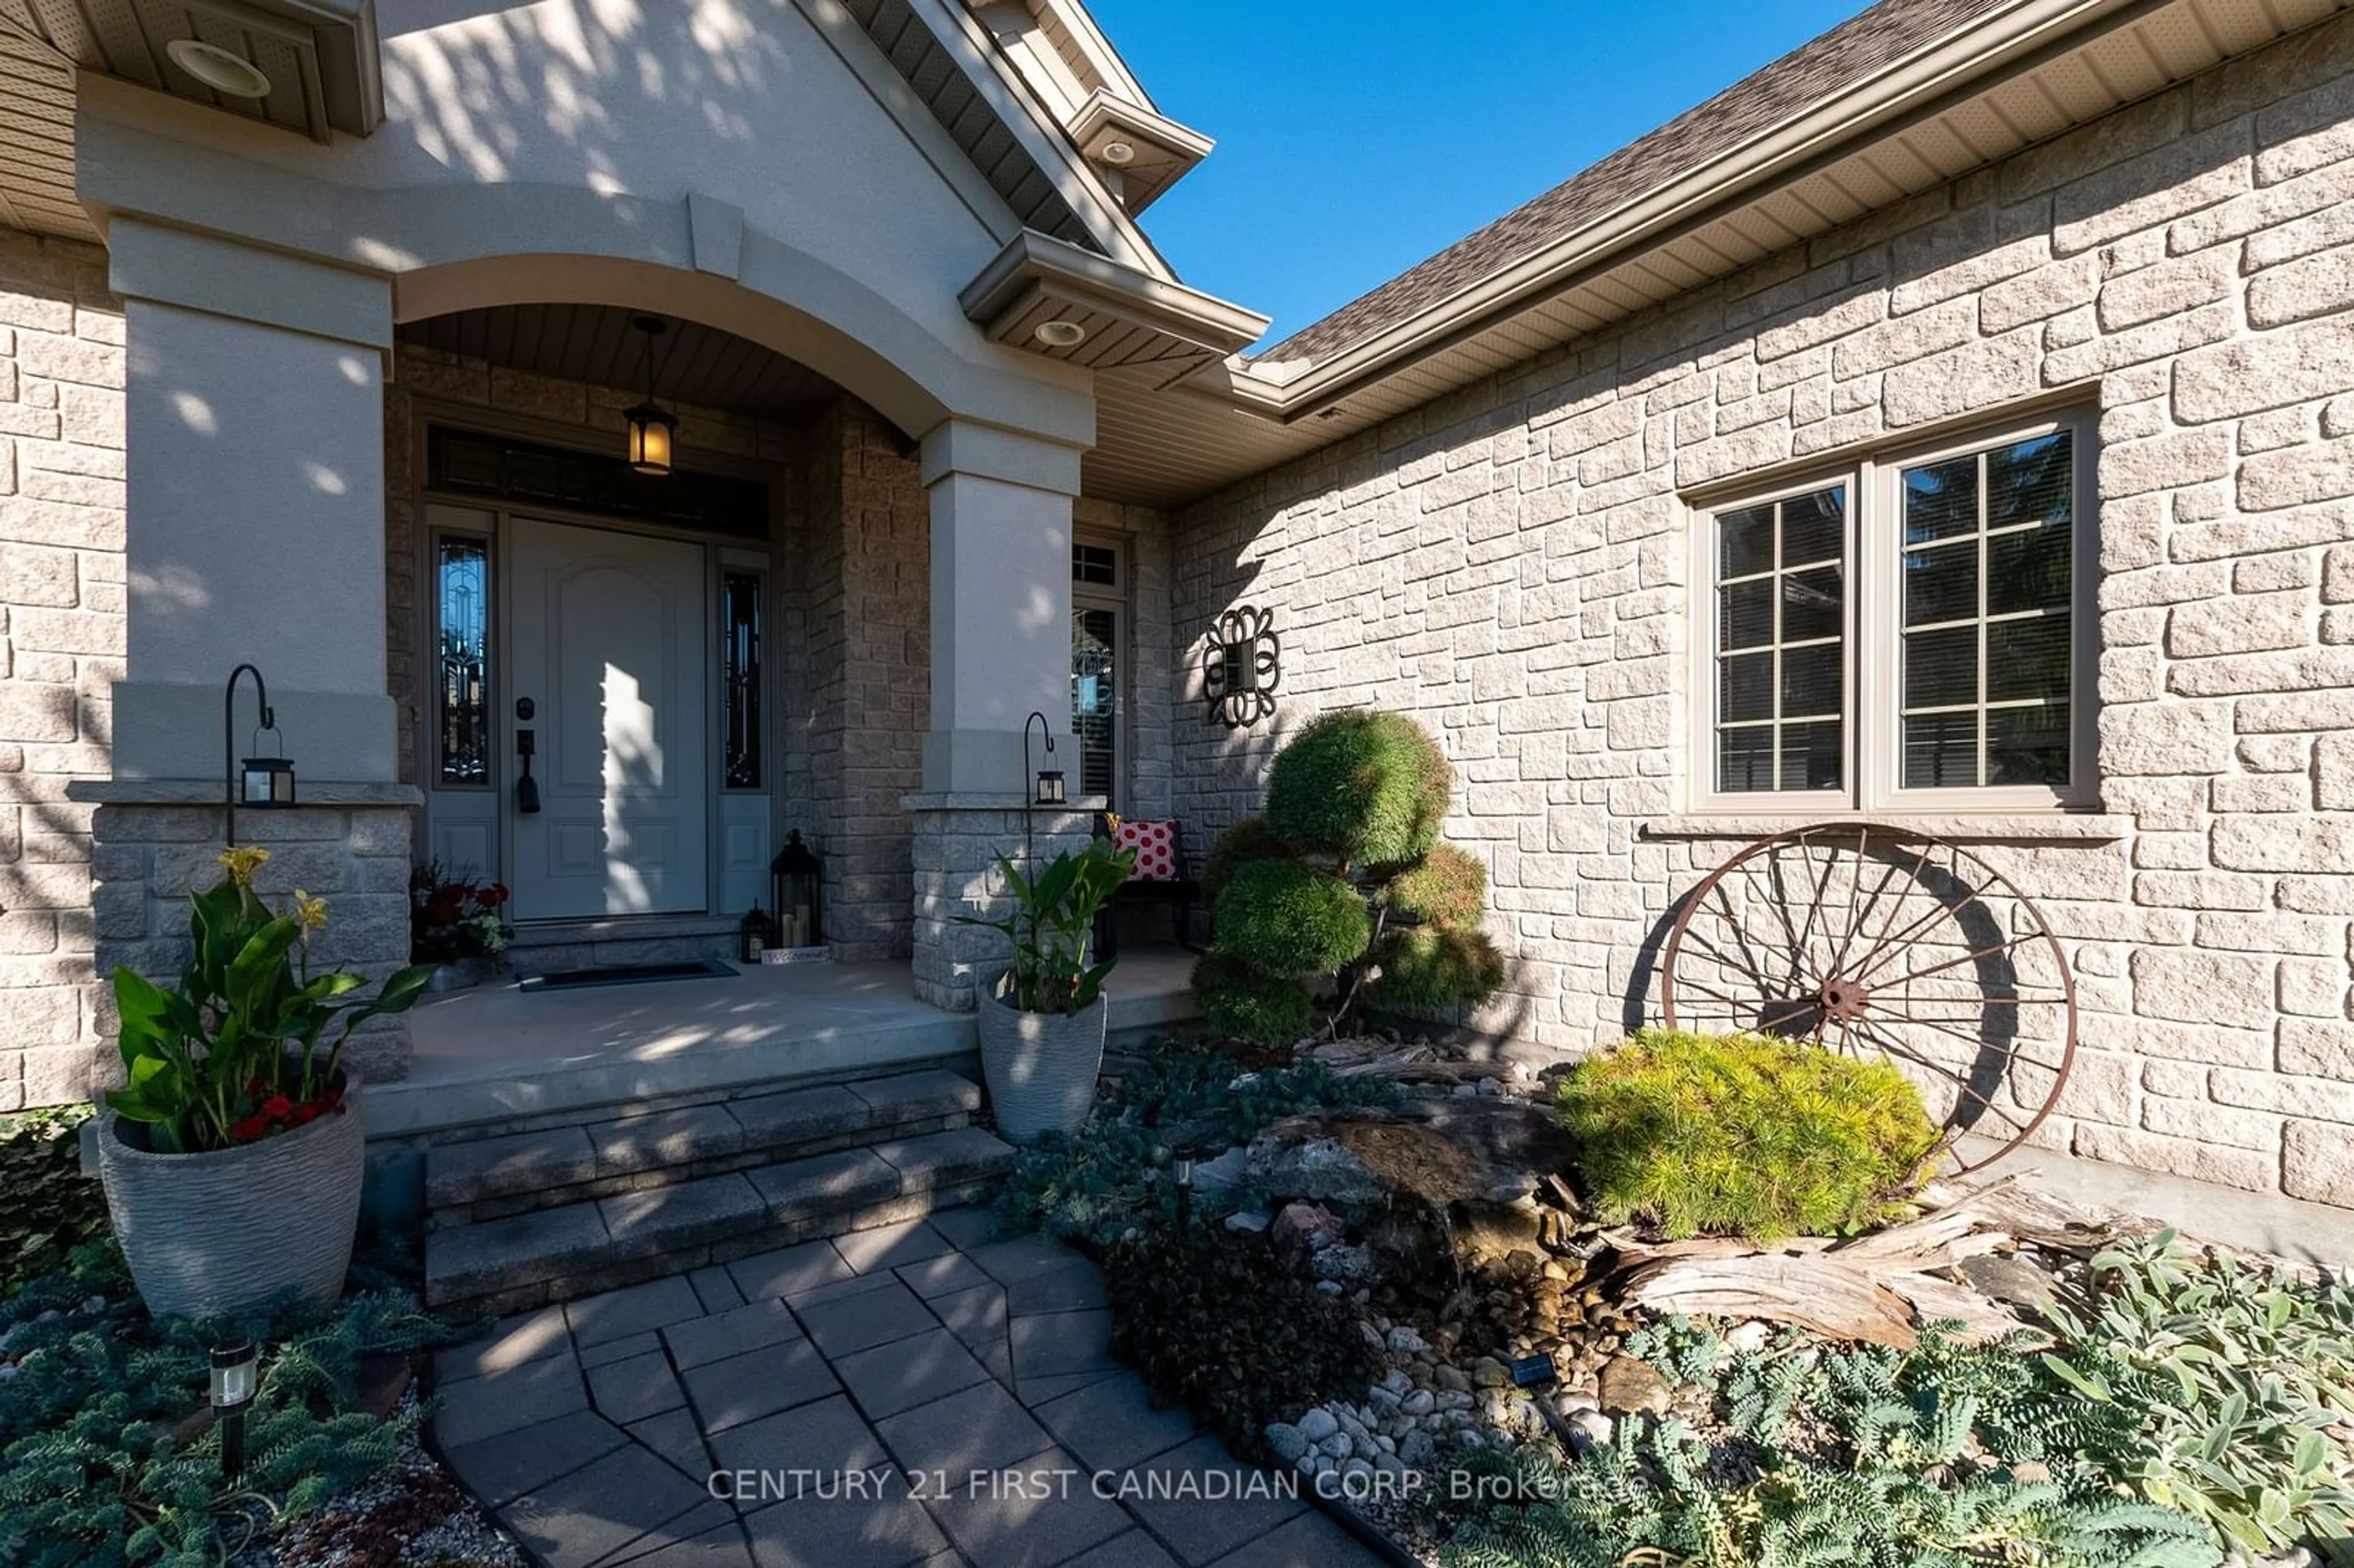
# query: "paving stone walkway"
{"points": [[924, 1394]]}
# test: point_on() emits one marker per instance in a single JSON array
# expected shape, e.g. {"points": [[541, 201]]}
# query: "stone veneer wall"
{"points": [[869, 621], [62, 642], [1511, 566], [355, 856]]}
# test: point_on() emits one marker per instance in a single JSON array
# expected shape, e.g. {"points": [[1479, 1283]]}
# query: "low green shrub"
{"points": [[1744, 1134], [100, 1463], [2238, 1382], [1942, 1457], [1249, 840], [1447, 888], [1367, 787], [1243, 1004], [1285, 918], [48, 1207], [1216, 1322], [1436, 965]]}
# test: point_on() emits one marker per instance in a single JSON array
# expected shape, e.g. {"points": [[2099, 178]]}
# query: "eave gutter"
{"points": [[1085, 277], [1995, 46]]}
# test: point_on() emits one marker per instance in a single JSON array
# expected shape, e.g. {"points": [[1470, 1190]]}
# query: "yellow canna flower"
{"points": [[312, 912], [242, 862]]}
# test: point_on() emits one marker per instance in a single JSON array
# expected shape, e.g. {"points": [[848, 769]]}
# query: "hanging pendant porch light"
{"points": [[650, 426]]}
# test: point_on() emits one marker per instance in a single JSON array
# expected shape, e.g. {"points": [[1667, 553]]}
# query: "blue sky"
{"points": [[1356, 139]]}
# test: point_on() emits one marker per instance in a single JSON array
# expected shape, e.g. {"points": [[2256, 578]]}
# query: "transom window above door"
{"points": [[1908, 632]]}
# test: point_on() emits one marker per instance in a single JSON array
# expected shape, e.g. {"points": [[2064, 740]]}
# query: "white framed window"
{"points": [[1912, 630]]}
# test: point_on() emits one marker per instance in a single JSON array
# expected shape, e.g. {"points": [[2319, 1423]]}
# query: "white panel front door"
{"points": [[607, 641]]}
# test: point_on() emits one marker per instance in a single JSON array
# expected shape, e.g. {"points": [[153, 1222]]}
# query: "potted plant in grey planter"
{"points": [[1041, 1017], [233, 1154]]}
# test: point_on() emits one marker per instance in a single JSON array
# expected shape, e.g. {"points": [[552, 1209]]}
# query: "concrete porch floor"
{"points": [[496, 1053]]}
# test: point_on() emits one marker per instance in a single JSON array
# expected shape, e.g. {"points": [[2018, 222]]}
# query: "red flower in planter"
{"points": [[308, 1114], [278, 1107], [493, 895], [250, 1131]]}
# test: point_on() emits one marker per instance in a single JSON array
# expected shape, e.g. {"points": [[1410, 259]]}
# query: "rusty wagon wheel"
{"points": [[1881, 942]]}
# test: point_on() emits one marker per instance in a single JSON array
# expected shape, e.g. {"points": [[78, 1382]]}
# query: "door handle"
{"points": [[526, 786]]}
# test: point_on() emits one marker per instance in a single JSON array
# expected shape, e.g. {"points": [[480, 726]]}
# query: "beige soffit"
{"points": [[948, 56], [1143, 152], [1995, 43], [1137, 151], [37, 137], [316, 59], [1051, 298], [2013, 77]]}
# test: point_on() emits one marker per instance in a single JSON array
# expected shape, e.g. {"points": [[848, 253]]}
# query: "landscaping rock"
{"points": [[2008, 1278], [1352, 1264], [1748, 1339], [1317, 1424], [1246, 1222], [1442, 1151], [1630, 1385], [1307, 1227], [1287, 1442]]}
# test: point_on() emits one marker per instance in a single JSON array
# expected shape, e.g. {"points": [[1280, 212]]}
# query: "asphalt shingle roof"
{"points": [[1847, 54]]}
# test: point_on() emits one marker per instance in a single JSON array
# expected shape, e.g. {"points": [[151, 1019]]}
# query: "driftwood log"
{"points": [[1881, 1288]]}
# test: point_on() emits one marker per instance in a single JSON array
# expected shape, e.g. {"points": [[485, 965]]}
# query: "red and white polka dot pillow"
{"points": [[1155, 844]]}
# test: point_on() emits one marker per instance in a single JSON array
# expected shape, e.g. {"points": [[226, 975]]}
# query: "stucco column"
{"points": [[255, 421], [255, 509], [1000, 622]]}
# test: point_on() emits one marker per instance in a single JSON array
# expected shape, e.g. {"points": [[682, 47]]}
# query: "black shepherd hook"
{"points": [[228, 737], [1029, 789]]}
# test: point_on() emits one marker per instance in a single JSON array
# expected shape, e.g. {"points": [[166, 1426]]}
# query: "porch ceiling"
{"points": [[596, 345]]}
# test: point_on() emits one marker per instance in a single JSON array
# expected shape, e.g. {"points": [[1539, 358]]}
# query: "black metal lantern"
{"points": [[754, 934], [258, 783], [1242, 666], [650, 426], [231, 1390], [797, 884]]}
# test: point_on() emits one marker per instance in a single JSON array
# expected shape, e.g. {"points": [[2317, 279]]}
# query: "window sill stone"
{"points": [[1970, 827]]}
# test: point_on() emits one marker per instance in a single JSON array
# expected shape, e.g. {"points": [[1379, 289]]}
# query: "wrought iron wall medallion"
{"points": [[1242, 666]]}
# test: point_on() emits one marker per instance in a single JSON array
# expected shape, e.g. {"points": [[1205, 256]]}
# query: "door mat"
{"points": [[627, 974]]}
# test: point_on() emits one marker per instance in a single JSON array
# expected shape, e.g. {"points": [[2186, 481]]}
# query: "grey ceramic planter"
{"points": [[1041, 1066], [228, 1231]]}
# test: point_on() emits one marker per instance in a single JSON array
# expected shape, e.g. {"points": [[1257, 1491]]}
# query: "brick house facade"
{"points": [[1498, 532], [1513, 565]]}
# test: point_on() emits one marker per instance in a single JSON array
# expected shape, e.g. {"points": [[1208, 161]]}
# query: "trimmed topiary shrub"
{"points": [[1249, 840], [1448, 888], [1343, 889], [1436, 966], [1287, 918], [1238, 1000], [1366, 788], [1745, 1134]]}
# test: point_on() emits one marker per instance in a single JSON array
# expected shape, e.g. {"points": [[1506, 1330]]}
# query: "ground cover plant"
{"points": [[1117, 1177], [106, 1460], [1221, 1324], [1341, 892], [1745, 1134], [2185, 1407], [48, 1208], [1823, 1457]]}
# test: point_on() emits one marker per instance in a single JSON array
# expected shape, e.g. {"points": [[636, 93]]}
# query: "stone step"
{"points": [[554, 1254], [496, 1178]]}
